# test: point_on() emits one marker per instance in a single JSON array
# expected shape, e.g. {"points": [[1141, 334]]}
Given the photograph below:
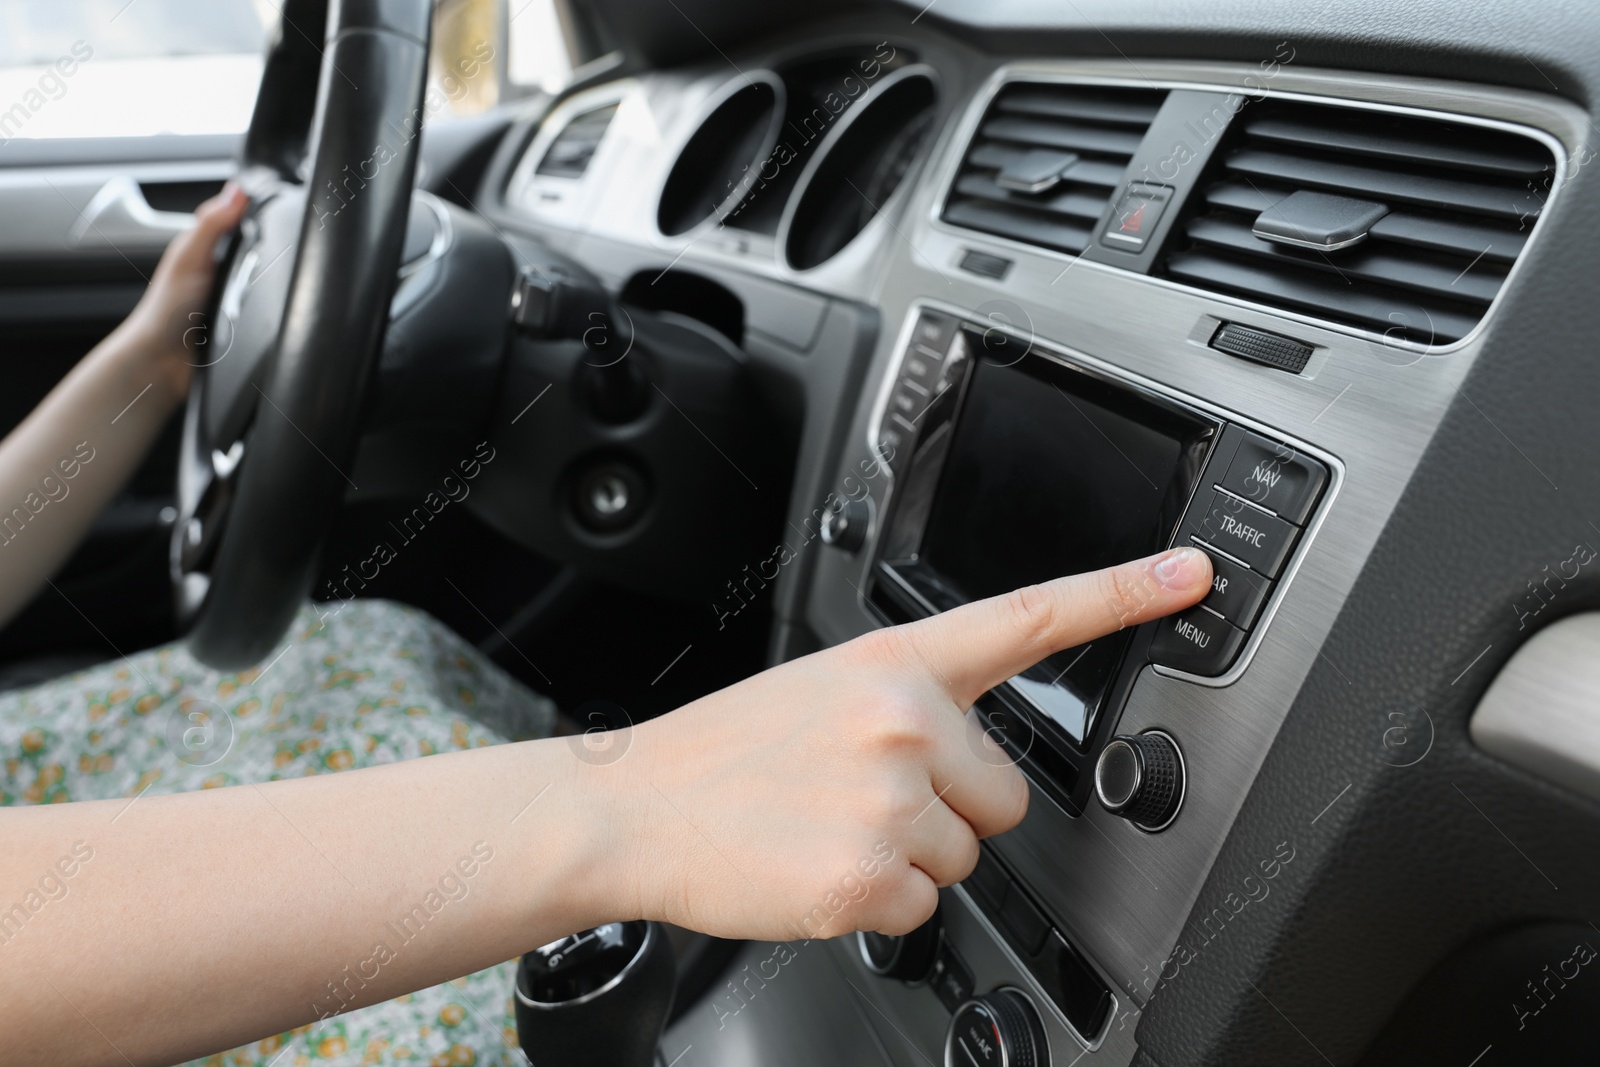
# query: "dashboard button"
{"points": [[1237, 593], [1023, 921], [1275, 476], [1135, 217], [951, 979], [988, 881], [1261, 541], [909, 957], [1196, 641], [936, 331]]}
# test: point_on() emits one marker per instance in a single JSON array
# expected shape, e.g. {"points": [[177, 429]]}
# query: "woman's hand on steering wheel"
{"points": [[168, 323]]}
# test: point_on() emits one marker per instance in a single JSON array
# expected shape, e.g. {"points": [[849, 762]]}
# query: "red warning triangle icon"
{"points": [[1133, 222]]}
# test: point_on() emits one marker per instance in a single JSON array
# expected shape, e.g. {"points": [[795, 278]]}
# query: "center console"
{"points": [[1015, 464]]}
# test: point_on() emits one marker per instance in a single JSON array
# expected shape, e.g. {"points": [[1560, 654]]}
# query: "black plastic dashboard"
{"points": [[1458, 461]]}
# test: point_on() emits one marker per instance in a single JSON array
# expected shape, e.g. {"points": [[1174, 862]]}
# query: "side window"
{"points": [[542, 45], [121, 68], [486, 52]]}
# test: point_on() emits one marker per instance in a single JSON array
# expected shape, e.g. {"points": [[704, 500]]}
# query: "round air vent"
{"points": [[859, 167], [714, 170]]}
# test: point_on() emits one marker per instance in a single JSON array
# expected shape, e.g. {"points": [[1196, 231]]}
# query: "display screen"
{"points": [[1052, 472]]}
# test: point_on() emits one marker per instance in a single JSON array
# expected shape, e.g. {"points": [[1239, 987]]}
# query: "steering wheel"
{"points": [[301, 306]]}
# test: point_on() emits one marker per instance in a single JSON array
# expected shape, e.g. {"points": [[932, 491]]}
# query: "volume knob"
{"points": [[1141, 778]]}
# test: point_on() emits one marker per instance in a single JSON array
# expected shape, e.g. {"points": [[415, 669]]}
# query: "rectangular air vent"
{"points": [[1046, 160], [1408, 224], [569, 154]]}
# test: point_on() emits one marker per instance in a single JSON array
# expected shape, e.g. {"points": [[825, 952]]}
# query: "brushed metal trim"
{"points": [[1542, 711], [1226, 78]]}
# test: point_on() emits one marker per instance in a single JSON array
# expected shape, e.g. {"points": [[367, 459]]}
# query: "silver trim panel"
{"points": [[1542, 711]]}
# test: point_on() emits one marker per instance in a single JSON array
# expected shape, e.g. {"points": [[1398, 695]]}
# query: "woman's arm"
{"points": [[830, 794], [76, 450]]}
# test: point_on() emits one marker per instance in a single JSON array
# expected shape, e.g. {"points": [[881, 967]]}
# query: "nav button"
{"points": [[1276, 477], [1196, 641]]}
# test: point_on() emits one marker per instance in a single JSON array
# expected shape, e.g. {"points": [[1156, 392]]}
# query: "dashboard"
{"points": [[1012, 294]]}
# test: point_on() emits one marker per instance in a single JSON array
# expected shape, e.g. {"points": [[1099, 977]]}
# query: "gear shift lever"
{"points": [[600, 997]]}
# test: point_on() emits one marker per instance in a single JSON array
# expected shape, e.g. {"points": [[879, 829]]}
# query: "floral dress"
{"points": [[375, 683]]}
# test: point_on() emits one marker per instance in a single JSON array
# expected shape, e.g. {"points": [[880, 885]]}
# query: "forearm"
{"points": [[62, 465], [182, 934]]}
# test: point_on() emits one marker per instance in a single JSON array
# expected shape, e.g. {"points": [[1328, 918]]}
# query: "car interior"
{"points": [[764, 327]]}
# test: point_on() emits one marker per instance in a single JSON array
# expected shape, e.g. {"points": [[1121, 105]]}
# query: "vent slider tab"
{"points": [[1319, 221], [1036, 171]]}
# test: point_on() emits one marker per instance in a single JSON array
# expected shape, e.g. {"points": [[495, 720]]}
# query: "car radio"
{"points": [[1014, 464]]}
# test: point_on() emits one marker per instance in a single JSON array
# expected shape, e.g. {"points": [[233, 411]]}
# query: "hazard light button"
{"points": [[1134, 219]]}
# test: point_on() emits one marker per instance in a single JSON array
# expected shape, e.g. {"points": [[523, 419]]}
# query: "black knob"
{"points": [[846, 528], [600, 996], [1140, 777], [998, 1029], [908, 957]]}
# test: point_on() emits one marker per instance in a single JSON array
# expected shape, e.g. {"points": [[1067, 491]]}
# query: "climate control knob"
{"points": [[998, 1029], [1141, 778], [845, 527], [909, 957]]}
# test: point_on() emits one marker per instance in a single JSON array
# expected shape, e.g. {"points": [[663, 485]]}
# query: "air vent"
{"points": [[569, 154], [1046, 160], [1453, 204]]}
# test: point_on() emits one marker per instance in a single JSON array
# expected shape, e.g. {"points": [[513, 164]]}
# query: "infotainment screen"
{"points": [[1048, 470], [1040, 482]]}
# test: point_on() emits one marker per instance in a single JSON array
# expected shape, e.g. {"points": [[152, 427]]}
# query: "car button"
{"points": [[1275, 476], [1196, 641], [988, 881], [1236, 592], [935, 331], [1135, 217], [1248, 534], [1023, 921], [951, 979]]}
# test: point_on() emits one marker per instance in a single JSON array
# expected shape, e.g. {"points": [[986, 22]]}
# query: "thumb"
{"points": [[976, 647], [191, 250]]}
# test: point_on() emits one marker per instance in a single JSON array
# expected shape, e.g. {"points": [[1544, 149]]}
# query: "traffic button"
{"points": [[1259, 540]]}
